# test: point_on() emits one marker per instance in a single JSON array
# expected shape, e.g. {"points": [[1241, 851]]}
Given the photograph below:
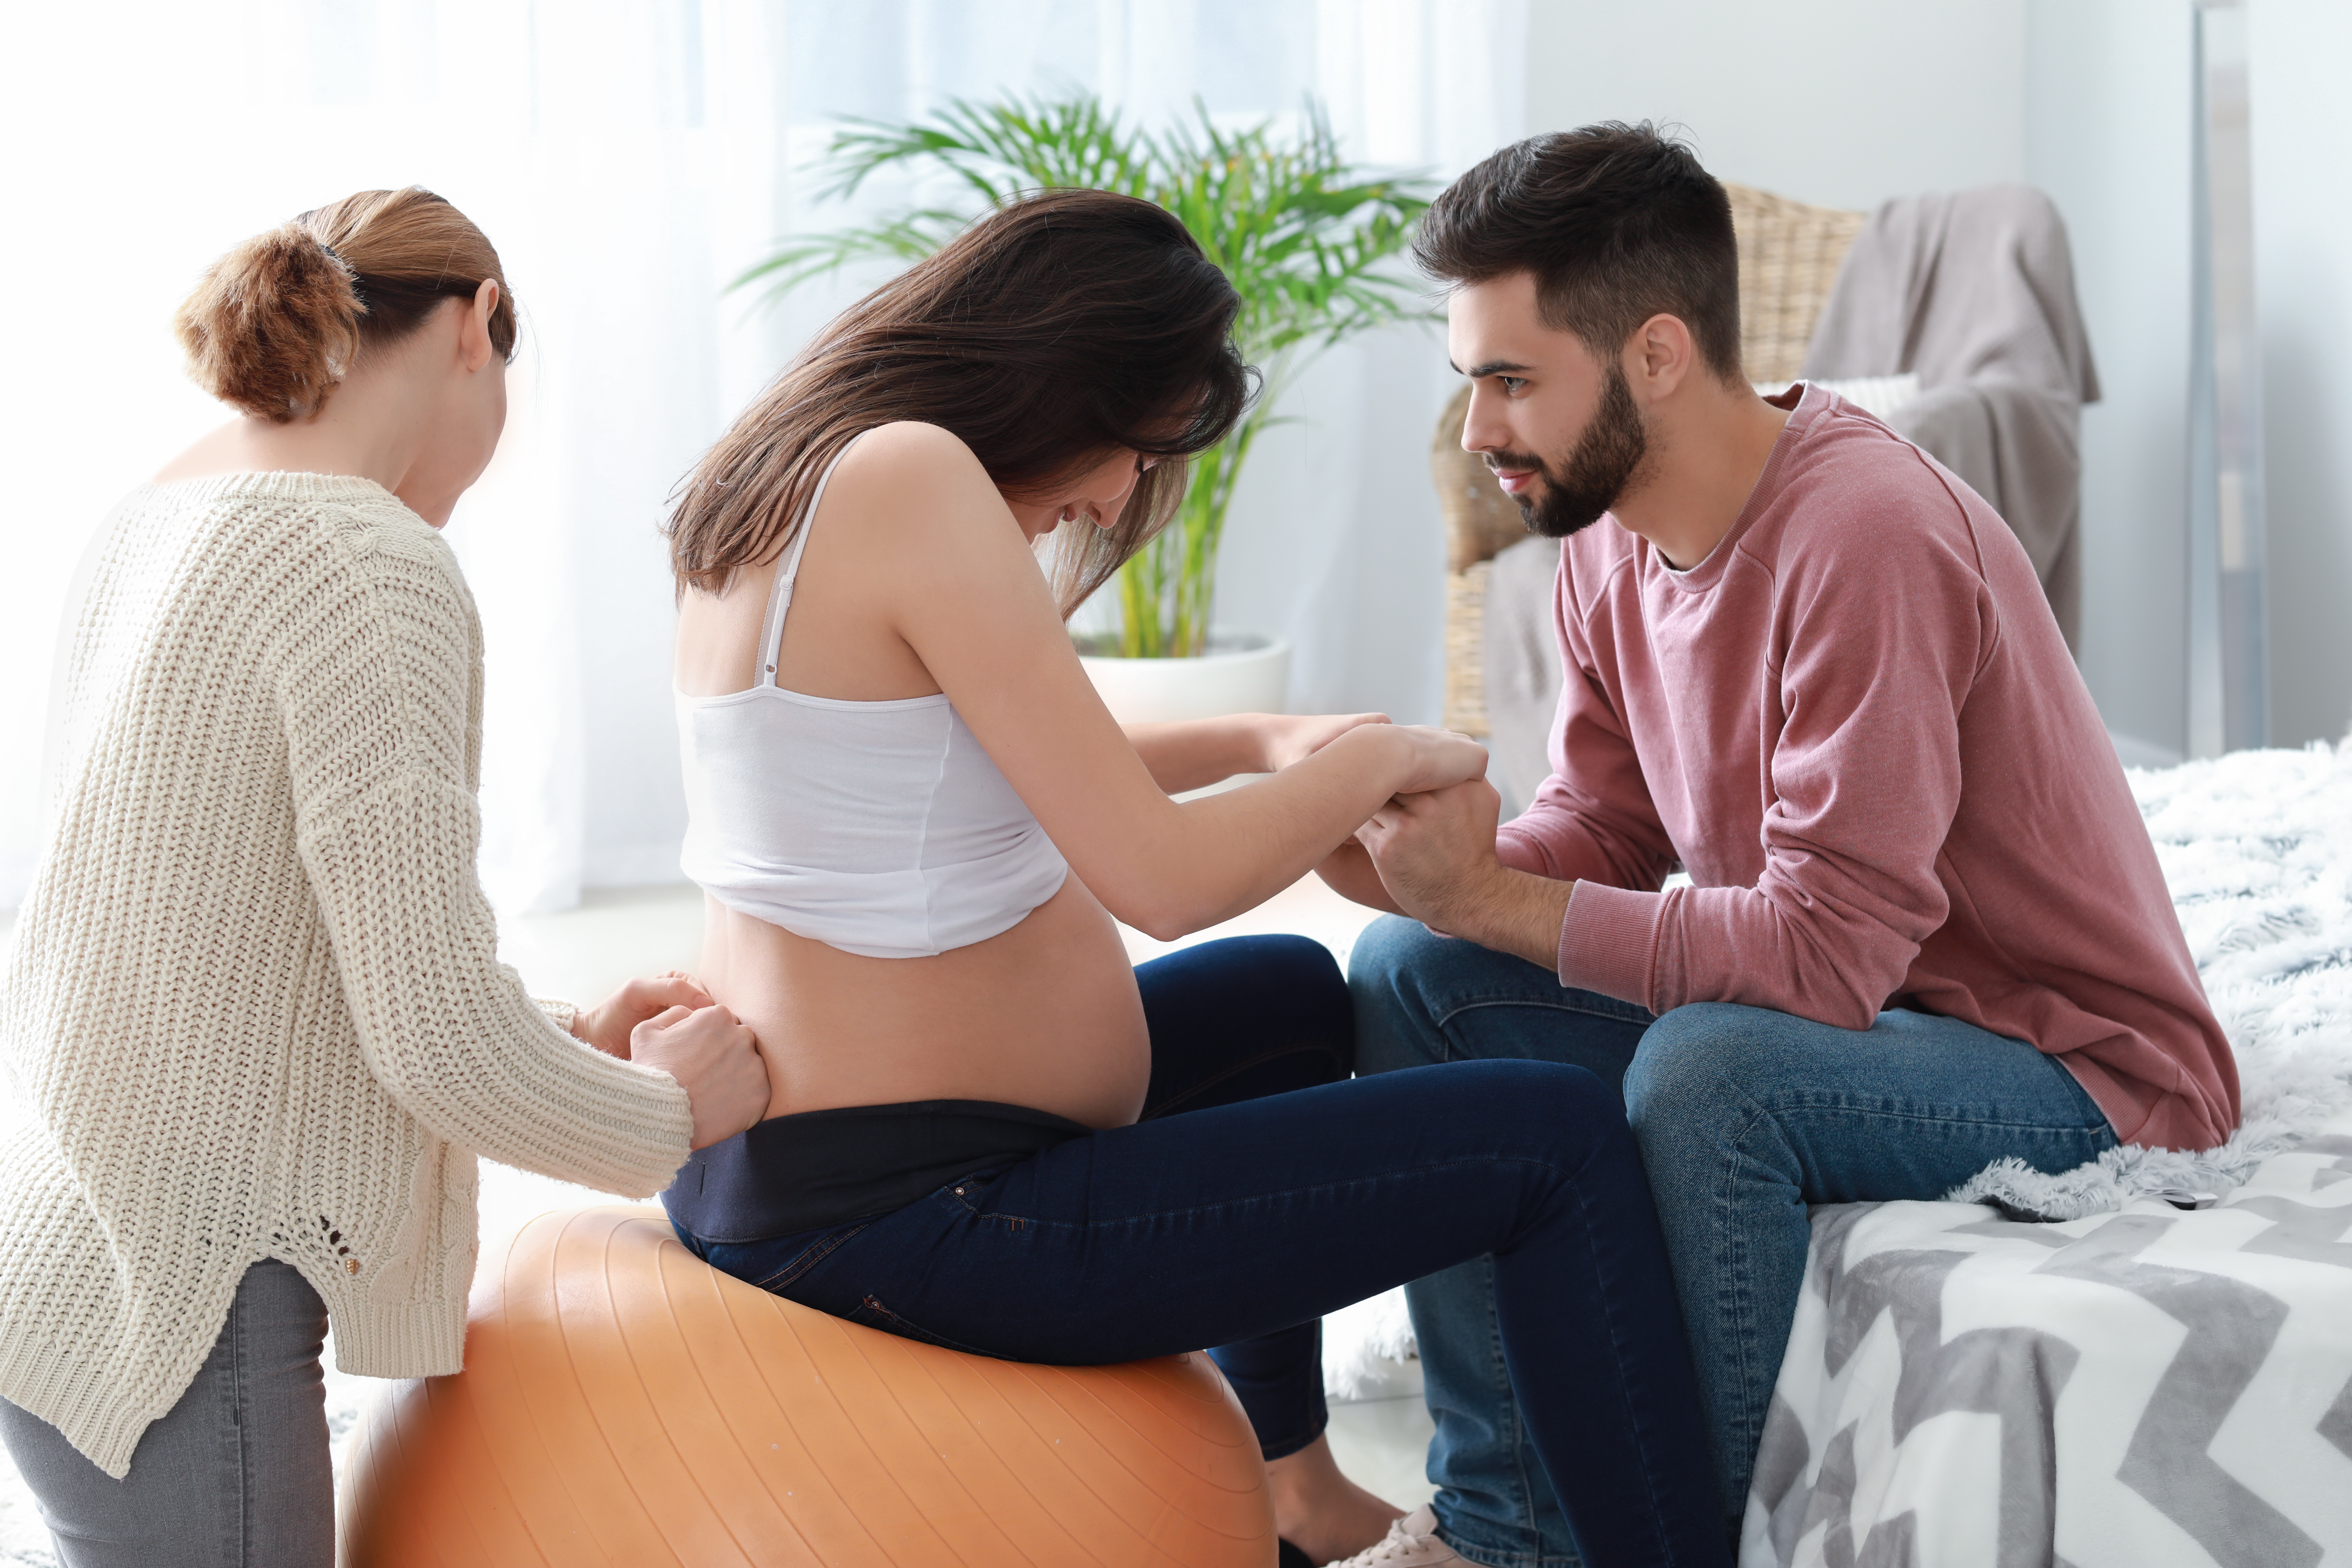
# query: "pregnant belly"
{"points": [[1044, 1015]]}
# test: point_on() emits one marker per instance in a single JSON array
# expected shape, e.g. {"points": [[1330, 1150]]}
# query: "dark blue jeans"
{"points": [[1242, 1207], [1744, 1117]]}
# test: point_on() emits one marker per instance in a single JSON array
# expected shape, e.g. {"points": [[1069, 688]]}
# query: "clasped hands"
{"points": [[1422, 854], [1430, 855], [669, 1023]]}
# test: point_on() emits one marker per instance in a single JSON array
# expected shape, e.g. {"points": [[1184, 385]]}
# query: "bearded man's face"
{"points": [[1572, 492], [1556, 424]]}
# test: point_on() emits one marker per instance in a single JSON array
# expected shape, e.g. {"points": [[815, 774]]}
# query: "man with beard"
{"points": [[1926, 929]]}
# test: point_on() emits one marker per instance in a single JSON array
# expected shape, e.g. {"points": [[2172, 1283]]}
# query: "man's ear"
{"points": [[1659, 357], [474, 340]]}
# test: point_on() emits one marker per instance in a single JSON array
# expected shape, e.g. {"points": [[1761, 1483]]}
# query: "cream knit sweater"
{"points": [[253, 1006]]}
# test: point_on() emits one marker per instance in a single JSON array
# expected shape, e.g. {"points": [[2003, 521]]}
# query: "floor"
{"points": [[584, 954]]}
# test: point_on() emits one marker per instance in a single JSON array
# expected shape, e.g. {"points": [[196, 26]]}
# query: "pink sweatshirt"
{"points": [[1856, 726]]}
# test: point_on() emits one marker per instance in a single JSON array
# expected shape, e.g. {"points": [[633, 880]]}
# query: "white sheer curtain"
{"points": [[628, 159]]}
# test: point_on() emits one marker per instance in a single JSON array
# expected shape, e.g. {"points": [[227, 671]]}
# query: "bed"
{"points": [[2134, 1382]]}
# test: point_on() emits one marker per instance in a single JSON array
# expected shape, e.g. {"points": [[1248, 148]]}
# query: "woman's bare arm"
{"points": [[965, 593], [1194, 753]]}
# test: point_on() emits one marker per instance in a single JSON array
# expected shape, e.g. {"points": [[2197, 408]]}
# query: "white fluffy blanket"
{"points": [[2257, 848]]}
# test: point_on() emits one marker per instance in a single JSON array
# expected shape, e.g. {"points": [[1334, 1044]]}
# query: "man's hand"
{"points": [[1435, 857], [1435, 852], [1287, 738], [715, 1059], [607, 1025]]}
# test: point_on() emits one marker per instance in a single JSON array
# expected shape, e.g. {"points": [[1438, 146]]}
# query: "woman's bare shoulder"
{"points": [[913, 450], [911, 475]]}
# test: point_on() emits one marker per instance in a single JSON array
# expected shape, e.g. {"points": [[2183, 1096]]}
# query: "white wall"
{"points": [[1839, 102], [2109, 128], [2108, 121], [2302, 246]]}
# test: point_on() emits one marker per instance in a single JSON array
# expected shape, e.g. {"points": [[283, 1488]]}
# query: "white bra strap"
{"points": [[779, 597]]}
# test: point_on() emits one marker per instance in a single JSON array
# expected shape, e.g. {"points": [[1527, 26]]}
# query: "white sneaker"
{"points": [[1412, 1543]]}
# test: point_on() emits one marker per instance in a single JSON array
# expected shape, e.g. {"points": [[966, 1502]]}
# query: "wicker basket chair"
{"points": [[1789, 257]]}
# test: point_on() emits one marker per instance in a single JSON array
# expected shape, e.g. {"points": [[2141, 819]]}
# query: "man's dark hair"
{"points": [[1617, 222]]}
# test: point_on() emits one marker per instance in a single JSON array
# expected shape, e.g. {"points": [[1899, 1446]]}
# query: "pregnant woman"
{"points": [[253, 1015], [915, 822]]}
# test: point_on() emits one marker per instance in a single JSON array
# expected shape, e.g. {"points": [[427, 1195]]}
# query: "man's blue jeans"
{"points": [[1744, 1116]]}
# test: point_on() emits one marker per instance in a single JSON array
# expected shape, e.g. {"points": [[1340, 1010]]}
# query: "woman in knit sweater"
{"points": [[253, 1008]]}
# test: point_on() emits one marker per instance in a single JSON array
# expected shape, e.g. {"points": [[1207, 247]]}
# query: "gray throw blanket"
{"points": [[1973, 292]]}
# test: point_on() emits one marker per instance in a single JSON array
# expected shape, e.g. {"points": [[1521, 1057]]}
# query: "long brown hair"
{"points": [[1059, 327], [277, 322]]}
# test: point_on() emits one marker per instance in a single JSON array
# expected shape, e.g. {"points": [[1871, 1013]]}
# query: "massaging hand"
{"points": [[1287, 738], [606, 1026], [715, 1059], [1435, 851]]}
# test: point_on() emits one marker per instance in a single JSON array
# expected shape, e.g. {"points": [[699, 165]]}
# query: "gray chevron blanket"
{"points": [[2135, 1386]]}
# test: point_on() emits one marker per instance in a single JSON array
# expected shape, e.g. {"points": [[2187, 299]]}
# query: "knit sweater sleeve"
{"points": [[378, 683]]}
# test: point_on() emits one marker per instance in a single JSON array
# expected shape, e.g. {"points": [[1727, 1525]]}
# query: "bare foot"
{"points": [[1321, 1511]]}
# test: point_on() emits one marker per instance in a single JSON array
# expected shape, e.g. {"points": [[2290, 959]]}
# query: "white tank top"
{"points": [[880, 828]]}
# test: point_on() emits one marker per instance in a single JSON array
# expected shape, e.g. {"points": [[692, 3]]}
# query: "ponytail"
{"points": [[273, 326], [280, 320]]}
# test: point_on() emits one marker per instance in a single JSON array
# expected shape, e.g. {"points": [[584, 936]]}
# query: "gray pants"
{"points": [[235, 1476]]}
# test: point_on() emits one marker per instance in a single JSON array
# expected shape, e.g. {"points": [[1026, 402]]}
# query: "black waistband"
{"points": [[792, 1173]]}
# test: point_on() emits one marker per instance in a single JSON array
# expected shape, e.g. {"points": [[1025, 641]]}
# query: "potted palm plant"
{"points": [[1310, 243]]}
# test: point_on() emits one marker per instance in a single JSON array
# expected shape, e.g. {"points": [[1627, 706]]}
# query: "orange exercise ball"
{"points": [[623, 1403]]}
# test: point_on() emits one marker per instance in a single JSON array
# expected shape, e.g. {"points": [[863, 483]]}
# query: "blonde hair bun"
{"points": [[273, 326], [279, 320]]}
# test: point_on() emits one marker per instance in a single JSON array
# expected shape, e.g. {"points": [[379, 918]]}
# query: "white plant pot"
{"points": [[1243, 672]]}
